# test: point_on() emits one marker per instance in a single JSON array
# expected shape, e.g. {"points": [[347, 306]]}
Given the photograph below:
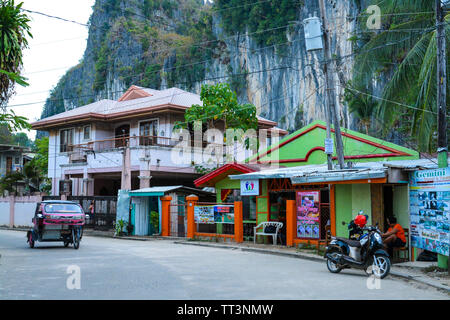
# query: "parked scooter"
{"points": [[355, 227], [367, 252]]}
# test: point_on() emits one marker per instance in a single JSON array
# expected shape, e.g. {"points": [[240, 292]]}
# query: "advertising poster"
{"points": [[308, 215], [224, 214], [429, 201], [204, 214], [214, 214]]}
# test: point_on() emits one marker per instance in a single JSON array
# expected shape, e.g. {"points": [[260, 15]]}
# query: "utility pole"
{"points": [[441, 101], [331, 93], [441, 87]]}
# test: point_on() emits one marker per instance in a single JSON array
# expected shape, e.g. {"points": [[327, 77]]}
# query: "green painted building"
{"points": [[372, 182]]}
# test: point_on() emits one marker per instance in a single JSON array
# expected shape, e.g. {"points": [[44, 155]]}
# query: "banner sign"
{"points": [[430, 210], [308, 215], [224, 214], [214, 214], [249, 187]]}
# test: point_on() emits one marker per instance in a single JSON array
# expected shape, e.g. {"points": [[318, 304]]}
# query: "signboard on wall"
{"points": [[214, 214], [224, 214], [308, 214], [249, 187], [430, 210], [204, 214]]}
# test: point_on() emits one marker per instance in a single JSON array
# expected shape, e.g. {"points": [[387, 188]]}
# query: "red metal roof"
{"points": [[210, 179]]}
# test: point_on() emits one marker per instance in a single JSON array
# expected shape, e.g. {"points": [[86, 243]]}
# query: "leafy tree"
{"points": [[40, 162], [404, 52], [10, 182], [220, 105], [13, 31]]}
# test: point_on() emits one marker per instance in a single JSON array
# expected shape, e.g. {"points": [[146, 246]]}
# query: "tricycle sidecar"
{"points": [[57, 220]]}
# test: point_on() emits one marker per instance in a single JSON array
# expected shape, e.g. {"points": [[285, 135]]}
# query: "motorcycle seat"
{"points": [[351, 243]]}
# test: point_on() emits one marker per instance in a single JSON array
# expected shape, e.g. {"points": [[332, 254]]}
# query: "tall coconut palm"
{"points": [[402, 54]]}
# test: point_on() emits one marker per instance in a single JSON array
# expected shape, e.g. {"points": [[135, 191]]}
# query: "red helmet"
{"points": [[360, 220]]}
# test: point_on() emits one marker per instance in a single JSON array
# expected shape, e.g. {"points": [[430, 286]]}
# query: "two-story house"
{"points": [[92, 148]]}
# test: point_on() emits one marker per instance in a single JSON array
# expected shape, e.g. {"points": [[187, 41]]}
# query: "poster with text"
{"points": [[308, 214], [204, 214], [224, 214], [429, 200]]}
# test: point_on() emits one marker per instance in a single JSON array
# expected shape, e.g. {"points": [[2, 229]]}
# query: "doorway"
{"points": [[277, 202], [388, 203], [123, 132]]}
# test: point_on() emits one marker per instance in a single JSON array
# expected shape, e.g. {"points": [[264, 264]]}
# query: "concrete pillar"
{"points": [[165, 215], [144, 179], [238, 222], [12, 201], [191, 201], [88, 184], [126, 170], [291, 219]]}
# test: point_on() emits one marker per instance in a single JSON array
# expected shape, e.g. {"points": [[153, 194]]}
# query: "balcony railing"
{"points": [[133, 141]]}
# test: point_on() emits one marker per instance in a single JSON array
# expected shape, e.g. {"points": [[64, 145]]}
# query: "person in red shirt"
{"points": [[395, 236]]}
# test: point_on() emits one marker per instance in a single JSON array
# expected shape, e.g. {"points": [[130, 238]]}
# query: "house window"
{"points": [[66, 140], [87, 132], [148, 131]]}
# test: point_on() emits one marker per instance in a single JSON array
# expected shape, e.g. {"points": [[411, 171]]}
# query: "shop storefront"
{"points": [[336, 202]]}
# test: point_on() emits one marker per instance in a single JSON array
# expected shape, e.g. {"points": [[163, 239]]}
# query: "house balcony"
{"points": [[78, 153]]}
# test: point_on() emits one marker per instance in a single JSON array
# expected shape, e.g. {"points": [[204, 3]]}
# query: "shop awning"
{"points": [[162, 190], [321, 174], [337, 176], [153, 191]]}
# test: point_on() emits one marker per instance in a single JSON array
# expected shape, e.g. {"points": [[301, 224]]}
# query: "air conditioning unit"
{"points": [[77, 157]]}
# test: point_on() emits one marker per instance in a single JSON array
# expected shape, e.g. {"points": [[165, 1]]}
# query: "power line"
{"points": [[55, 17]]}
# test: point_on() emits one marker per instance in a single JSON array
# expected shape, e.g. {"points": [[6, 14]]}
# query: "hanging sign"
{"points": [[430, 210], [308, 214], [329, 147], [249, 187]]}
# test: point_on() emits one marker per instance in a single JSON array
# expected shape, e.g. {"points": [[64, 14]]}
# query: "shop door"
{"points": [[376, 191], [141, 217], [153, 223], [181, 217], [8, 165]]}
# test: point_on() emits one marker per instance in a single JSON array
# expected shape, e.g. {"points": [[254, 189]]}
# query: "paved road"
{"points": [[160, 269]]}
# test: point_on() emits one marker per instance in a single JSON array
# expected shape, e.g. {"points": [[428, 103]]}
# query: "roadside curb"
{"points": [[395, 274], [14, 229]]}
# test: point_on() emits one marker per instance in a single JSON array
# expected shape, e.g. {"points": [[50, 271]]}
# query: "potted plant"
{"points": [[119, 227]]}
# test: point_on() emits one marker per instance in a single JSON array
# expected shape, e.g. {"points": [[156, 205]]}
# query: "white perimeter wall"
{"points": [[24, 208]]}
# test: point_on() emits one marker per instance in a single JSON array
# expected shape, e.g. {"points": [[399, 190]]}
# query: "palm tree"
{"points": [[13, 31], [360, 105], [404, 53]]}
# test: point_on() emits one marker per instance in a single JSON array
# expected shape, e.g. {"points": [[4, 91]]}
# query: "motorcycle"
{"points": [[57, 220], [367, 254]]}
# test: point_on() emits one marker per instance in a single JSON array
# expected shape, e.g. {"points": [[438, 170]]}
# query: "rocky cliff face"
{"points": [[132, 42]]}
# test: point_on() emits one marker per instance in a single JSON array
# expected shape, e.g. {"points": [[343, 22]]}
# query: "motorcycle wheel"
{"points": [[75, 238], [30, 240], [382, 267], [333, 267]]}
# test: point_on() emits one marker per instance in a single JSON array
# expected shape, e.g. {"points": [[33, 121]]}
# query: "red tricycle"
{"points": [[57, 220]]}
